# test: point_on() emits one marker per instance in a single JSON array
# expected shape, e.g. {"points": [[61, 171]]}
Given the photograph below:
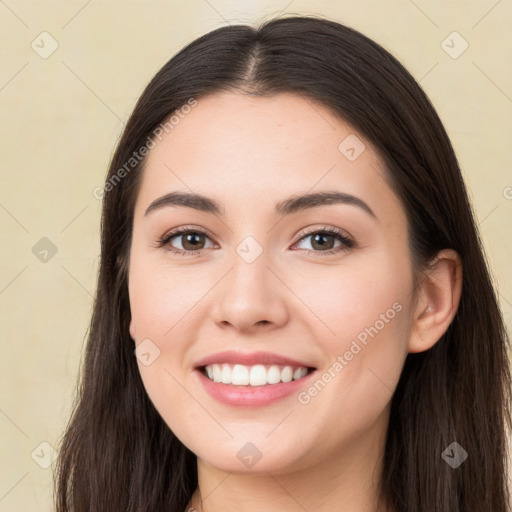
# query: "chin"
{"points": [[253, 457]]}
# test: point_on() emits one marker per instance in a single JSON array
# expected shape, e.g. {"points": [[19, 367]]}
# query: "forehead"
{"points": [[240, 149]]}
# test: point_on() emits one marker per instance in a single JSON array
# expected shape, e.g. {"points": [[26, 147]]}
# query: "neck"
{"points": [[347, 480]]}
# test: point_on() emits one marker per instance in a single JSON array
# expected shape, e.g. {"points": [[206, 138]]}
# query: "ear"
{"points": [[439, 297]]}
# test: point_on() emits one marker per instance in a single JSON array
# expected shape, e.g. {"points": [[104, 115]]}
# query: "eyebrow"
{"points": [[287, 207]]}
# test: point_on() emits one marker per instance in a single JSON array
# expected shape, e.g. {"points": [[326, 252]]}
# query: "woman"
{"points": [[281, 319]]}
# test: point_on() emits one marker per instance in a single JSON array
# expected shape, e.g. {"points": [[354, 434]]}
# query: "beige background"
{"points": [[61, 116]]}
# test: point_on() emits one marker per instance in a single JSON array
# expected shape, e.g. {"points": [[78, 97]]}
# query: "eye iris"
{"points": [[322, 245], [190, 237]]}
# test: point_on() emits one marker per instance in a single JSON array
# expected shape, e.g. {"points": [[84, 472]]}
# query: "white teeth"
{"points": [[226, 374], [217, 375], [287, 374], [257, 375], [274, 375], [239, 375]]}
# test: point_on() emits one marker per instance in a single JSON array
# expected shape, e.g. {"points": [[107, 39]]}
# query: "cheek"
{"points": [[159, 303], [161, 296], [159, 312], [355, 295], [363, 330]]}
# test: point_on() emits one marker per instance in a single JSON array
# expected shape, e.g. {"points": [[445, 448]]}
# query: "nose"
{"points": [[251, 297]]}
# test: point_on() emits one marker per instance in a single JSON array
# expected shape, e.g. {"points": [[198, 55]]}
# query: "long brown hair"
{"points": [[117, 454]]}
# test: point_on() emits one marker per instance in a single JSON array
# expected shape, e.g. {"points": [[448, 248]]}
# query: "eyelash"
{"points": [[347, 243]]}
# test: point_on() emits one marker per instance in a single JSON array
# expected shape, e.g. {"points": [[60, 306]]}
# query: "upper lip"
{"points": [[249, 359]]}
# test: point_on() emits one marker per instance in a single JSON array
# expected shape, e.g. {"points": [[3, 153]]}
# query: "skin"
{"points": [[249, 153]]}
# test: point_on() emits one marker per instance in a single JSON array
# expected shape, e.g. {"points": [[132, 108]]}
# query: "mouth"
{"points": [[256, 375], [252, 379]]}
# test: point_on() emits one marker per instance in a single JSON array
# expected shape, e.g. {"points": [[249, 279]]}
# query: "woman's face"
{"points": [[266, 284]]}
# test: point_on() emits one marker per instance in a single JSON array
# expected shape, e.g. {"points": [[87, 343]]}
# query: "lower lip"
{"points": [[251, 396]]}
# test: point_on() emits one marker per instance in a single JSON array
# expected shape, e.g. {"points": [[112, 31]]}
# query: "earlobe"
{"points": [[440, 294]]}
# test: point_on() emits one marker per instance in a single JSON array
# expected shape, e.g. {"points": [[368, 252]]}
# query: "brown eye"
{"points": [[322, 241], [191, 241]]}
